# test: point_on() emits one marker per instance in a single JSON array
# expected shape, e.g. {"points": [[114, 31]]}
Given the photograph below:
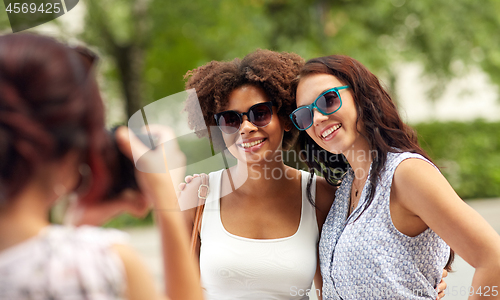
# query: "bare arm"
{"points": [[424, 192], [140, 284], [181, 275]]}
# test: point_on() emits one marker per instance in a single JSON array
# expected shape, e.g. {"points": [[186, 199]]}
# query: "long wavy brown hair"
{"points": [[376, 113]]}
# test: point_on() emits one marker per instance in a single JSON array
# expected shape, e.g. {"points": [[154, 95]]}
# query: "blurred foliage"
{"points": [[445, 36], [148, 45], [4, 20], [468, 154], [162, 40], [127, 220]]}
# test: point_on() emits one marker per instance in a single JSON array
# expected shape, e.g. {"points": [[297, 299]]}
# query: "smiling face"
{"points": [[336, 133], [251, 143]]}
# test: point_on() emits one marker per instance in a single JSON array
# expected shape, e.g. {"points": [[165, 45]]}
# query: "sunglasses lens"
{"points": [[329, 102], [302, 118], [229, 122], [260, 115]]}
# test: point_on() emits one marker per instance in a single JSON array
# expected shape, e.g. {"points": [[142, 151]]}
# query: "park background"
{"points": [[440, 59]]}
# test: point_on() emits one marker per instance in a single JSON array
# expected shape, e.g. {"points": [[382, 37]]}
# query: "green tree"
{"points": [[4, 20], [444, 36], [153, 43]]}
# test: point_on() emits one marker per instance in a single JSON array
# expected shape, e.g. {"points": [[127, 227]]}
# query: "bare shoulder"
{"points": [[325, 195], [416, 182], [415, 171], [414, 162]]}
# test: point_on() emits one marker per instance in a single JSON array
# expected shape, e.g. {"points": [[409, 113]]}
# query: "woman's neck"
{"points": [[266, 177], [22, 218], [360, 157]]}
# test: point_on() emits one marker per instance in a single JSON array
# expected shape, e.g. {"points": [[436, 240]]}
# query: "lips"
{"points": [[330, 131]]}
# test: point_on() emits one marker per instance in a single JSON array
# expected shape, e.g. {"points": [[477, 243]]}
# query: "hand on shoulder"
{"points": [[188, 197]]}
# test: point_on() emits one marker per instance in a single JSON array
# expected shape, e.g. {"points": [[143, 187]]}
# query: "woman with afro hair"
{"points": [[258, 241]]}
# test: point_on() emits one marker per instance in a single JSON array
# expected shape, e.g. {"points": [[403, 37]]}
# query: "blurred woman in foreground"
{"points": [[52, 141]]}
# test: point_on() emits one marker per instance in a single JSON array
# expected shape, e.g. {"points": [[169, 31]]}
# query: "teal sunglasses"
{"points": [[327, 103]]}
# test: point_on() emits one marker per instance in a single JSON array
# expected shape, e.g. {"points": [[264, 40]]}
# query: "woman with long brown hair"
{"points": [[387, 234]]}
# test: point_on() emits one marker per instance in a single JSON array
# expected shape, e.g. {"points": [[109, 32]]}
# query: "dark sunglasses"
{"points": [[259, 115], [327, 103]]}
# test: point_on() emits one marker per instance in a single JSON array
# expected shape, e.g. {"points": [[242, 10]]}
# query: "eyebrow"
{"points": [[240, 112], [325, 91], [316, 97]]}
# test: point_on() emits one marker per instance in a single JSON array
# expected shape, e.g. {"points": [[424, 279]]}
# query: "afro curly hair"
{"points": [[272, 71]]}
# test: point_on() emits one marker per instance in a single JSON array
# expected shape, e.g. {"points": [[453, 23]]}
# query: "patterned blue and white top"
{"points": [[369, 258]]}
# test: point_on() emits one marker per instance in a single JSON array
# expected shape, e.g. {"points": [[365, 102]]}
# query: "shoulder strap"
{"points": [[203, 191]]}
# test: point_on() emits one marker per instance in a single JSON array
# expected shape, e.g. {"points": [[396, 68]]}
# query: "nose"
{"points": [[318, 117], [247, 127]]}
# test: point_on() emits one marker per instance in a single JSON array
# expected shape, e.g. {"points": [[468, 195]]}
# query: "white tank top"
{"points": [[235, 267]]}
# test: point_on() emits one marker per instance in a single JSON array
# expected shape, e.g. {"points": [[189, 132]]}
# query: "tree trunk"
{"points": [[128, 56], [130, 62]]}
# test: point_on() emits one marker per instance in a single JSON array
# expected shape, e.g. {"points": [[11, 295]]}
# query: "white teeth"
{"points": [[329, 131], [248, 145]]}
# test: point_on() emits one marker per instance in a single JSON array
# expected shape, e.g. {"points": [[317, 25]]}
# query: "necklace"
{"points": [[356, 193]]}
